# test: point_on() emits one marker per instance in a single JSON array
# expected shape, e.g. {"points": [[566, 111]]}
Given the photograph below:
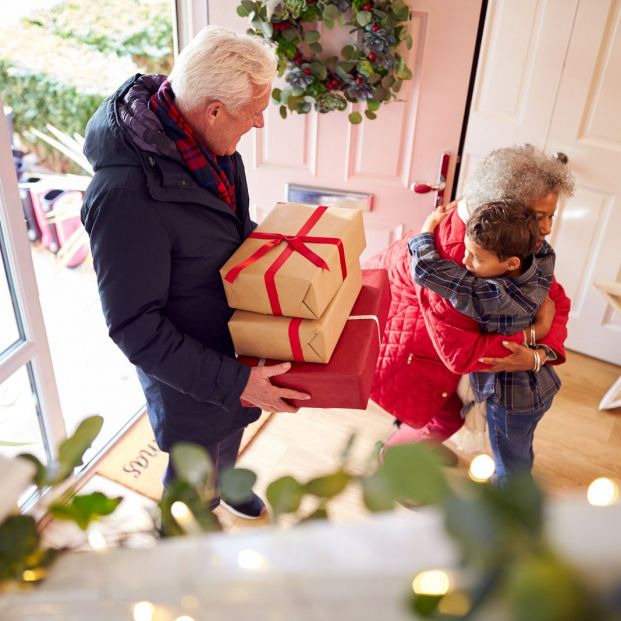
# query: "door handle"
{"points": [[423, 188]]}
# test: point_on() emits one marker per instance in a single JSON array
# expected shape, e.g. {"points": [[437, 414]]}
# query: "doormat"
{"points": [[136, 462]]}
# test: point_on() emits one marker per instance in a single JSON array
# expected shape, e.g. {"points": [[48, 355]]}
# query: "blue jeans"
{"points": [[511, 436]]}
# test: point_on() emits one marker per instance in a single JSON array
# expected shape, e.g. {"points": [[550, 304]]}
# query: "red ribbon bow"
{"points": [[295, 243]]}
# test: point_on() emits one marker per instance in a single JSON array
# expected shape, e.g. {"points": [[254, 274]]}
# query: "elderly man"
{"points": [[168, 205]]}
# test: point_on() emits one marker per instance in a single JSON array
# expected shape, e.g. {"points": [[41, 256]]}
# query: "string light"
{"points": [[251, 560], [481, 468], [96, 540], [143, 611], [603, 492], [431, 582]]}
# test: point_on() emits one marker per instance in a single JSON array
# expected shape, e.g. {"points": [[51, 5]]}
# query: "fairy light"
{"points": [[182, 514], [184, 618], [481, 468], [96, 540], [251, 560], [603, 492], [34, 575], [431, 582], [143, 611]]}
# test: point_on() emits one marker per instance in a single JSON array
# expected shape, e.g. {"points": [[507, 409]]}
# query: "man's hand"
{"points": [[544, 318], [521, 359], [436, 216], [260, 392]]}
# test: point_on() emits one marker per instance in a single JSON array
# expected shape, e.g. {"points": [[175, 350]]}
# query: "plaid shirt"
{"points": [[501, 305]]}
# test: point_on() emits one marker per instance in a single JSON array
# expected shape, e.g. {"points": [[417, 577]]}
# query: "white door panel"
{"points": [[586, 125]]}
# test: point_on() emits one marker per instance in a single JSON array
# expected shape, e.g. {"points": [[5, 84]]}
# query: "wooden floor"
{"points": [[575, 443]]}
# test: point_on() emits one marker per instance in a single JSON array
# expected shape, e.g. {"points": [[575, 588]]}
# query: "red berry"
{"points": [[372, 56], [358, 80], [375, 28], [307, 71], [367, 6]]}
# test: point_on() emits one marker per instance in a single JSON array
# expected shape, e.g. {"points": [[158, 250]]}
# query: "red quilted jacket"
{"points": [[427, 344]]}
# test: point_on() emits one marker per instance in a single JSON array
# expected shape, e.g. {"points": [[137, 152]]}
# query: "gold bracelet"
{"points": [[533, 335], [537, 366]]}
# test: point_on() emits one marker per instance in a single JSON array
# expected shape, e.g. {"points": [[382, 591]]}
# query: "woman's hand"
{"points": [[436, 216], [521, 358]]}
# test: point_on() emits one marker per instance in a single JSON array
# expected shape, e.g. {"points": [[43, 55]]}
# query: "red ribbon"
{"points": [[294, 339], [295, 243]]}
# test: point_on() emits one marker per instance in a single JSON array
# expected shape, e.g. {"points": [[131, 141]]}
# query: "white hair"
{"points": [[219, 64], [522, 173]]}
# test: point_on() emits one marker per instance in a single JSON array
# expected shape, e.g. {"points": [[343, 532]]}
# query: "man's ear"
{"points": [[514, 263], [212, 111]]}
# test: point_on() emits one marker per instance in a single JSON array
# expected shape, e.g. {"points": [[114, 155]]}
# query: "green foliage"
{"points": [[58, 65], [135, 28], [370, 68], [84, 509], [21, 548]]}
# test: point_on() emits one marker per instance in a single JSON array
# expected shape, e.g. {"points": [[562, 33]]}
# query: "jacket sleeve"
{"points": [[132, 259], [555, 339], [456, 338]]}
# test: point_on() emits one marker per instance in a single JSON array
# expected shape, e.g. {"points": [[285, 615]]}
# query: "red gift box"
{"points": [[345, 382]]}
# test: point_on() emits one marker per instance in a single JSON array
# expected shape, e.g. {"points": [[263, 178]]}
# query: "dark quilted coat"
{"points": [[427, 344]]}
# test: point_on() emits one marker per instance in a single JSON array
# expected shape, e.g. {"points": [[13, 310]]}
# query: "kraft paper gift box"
{"points": [[295, 261], [345, 382], [293, 338]]}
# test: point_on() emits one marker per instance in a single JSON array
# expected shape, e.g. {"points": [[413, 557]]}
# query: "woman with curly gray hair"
{"points": [[427, 345]]}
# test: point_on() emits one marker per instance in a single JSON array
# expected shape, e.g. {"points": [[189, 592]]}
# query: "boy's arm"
{"points": [[468, 294]]}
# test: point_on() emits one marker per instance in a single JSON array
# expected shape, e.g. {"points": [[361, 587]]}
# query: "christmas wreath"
{"points": [[369, 69]]}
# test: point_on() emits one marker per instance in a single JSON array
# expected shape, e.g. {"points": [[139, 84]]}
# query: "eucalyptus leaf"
{"points": [[248, 5], [347, 52], [415, 473], [312, 36], [545, 588], [290, 34], [364, 17], [84, 509], [373, 105], [377, 493], [18, 539], [316, 47], [285, 495], [192, 463], [241, 11], [276, 93], [71, 451], [370, 115], [318, 514], [388, 81], [355, 118], [283, 111], [330, 12], [236, 484], [329, 485], [40, 476]]}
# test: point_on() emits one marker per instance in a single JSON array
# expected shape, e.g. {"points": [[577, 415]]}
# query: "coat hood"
{"points": [[124, 130]]}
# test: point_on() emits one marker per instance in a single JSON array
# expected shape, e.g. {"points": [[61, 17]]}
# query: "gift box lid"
{"points": [[295, 261]]}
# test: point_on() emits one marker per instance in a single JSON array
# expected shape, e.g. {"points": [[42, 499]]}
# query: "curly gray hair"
{"points": [[521, 173]]}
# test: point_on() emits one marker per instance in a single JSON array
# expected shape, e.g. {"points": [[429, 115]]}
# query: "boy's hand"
{"points": [[436, 216]]}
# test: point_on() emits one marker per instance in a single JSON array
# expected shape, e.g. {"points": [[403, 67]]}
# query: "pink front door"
{"points": [[382, 157]]}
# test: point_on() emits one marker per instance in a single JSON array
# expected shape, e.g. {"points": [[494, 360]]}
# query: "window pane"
{"points": [[20, 431], [9, 332]]}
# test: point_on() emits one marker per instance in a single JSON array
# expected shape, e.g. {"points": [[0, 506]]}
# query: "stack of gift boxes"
{"points": [[301, 296]]}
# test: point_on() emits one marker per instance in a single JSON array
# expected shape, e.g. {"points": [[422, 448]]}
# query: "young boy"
{"points": [[501, 285]]}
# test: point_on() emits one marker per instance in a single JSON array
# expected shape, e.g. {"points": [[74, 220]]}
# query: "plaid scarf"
{"points": [[214, 173]]}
